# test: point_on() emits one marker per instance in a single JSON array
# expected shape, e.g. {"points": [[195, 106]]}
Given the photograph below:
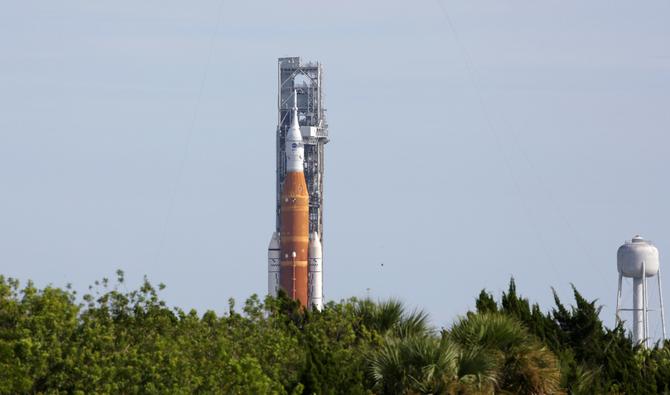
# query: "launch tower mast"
{"points": [[305, 79]]}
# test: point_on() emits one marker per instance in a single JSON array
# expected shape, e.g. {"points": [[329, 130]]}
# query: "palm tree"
{"points": [[426, 365], [481, 354], [391, 316], [477, 371], [524, 365]]}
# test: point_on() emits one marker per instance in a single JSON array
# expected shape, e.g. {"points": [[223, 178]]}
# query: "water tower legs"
{"points": [[638, 310], [618, 301], [660, 297]]}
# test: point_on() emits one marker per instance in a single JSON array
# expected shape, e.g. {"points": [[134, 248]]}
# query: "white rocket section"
{"points": [[295, 151], [315, 272], [273, 265]]}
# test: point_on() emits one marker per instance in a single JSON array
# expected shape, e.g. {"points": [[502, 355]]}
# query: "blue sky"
{"points": [[471, 141]]}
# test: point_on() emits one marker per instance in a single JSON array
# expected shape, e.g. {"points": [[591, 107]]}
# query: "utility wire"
{"points": [[493, 131], [189, 133], [524, 154]]}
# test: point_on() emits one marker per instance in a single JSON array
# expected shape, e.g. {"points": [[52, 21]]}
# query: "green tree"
{"points": [[523, 363], [35, 326], [428, 365], [109, 341], [391, 316]]}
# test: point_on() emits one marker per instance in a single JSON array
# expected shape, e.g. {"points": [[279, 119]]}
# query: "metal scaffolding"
{"points": [[305, 79]]}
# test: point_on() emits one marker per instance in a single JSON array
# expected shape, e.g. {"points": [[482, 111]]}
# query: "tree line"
{"points": [[109, 341]]}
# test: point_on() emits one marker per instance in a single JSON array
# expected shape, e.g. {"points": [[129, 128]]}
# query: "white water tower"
{"points": [[638, 259]]}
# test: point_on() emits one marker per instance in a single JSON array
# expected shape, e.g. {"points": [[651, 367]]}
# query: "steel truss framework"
{"points": [[306, 80]]}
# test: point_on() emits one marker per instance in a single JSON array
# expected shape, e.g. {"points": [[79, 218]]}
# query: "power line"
{"points": [[494, 132], [189, 133]]}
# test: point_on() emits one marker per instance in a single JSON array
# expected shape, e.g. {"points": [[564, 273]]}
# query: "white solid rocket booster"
{"points": [[315, 273], [273, 265]]}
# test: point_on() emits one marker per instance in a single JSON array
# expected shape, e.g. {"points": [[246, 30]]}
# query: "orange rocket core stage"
{"points": [[294, 239]]}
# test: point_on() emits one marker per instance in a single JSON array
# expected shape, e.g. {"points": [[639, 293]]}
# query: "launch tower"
{"points": [[305, 79]]}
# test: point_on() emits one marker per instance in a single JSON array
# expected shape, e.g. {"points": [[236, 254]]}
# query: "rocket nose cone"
{"points": [[314, 239], [314, 245], [274, 241]]}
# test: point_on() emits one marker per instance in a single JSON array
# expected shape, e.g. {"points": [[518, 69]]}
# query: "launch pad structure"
{"points": [[306, 80], [295, 257]]}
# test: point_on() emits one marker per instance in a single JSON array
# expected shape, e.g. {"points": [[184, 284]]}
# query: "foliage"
{"points": [[593, 359], [109, 341], [523, 364]]}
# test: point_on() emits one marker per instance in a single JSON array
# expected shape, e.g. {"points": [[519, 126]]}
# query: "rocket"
{"points": [[273, 265], [294, 214], [295, 260], [315, 272]]}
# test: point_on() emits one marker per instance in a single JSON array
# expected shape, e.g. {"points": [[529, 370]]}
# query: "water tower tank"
{"points": [[633, 254]]}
